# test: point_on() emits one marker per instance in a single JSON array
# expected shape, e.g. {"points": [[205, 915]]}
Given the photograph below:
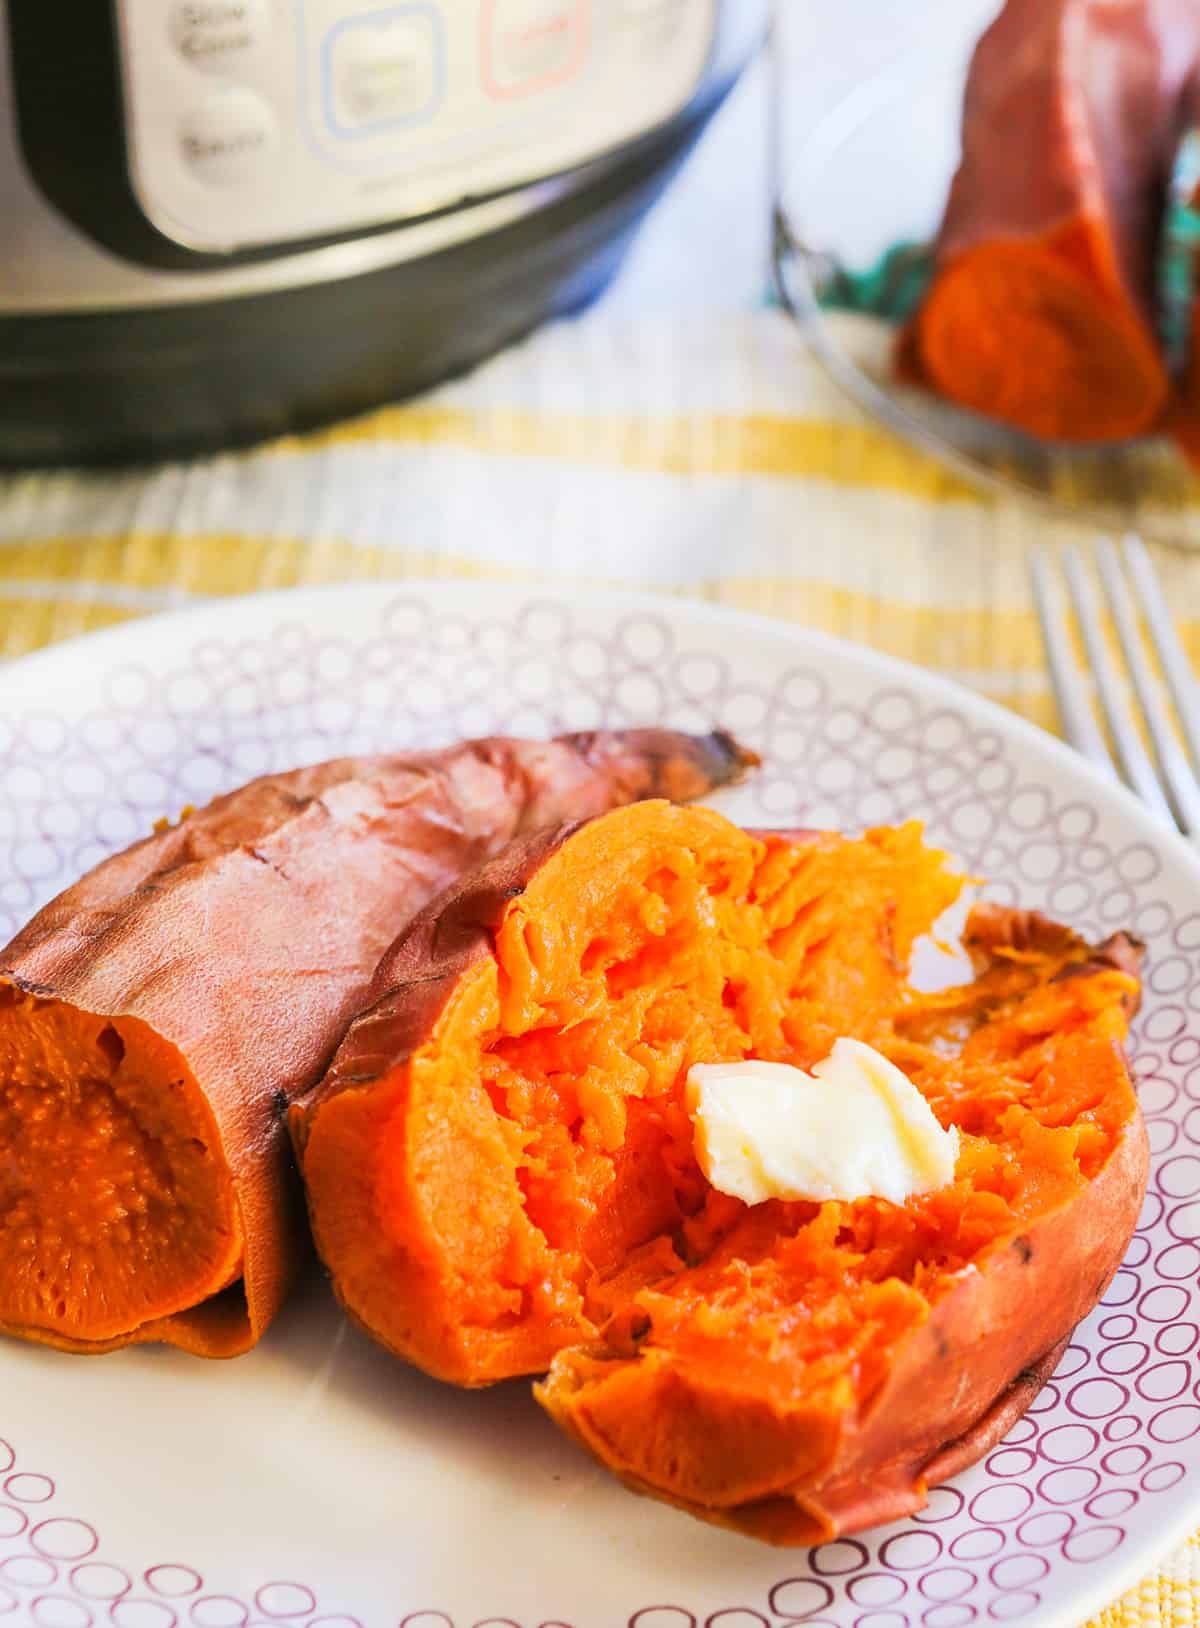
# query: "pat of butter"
{"points": [[856, 1127]]}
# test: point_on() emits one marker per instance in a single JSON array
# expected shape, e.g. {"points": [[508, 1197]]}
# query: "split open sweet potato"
{"points": [[157, 1018], [502, 1179], [1041, 309]]}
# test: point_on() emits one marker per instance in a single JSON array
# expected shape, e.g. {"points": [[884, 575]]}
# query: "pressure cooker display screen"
{"points": [[258, 121]]}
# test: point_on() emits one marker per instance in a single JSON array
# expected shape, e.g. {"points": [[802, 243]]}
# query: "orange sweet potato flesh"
{"points": [[1040, 312], [157, 1018], [501, 1176]]}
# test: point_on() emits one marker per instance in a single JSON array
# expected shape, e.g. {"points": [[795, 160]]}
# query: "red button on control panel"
{"points": [[530, 45]]}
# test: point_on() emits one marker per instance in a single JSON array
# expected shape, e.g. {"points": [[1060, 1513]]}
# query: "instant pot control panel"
{"points": [[256, 122]]}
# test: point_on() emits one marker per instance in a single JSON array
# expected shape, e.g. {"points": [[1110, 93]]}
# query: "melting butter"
{"points": [[855, 1127]]}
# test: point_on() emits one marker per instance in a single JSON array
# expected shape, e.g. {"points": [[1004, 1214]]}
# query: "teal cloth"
{"points": [[891, 288]]}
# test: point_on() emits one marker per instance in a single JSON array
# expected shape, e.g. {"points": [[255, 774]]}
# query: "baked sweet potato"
{"points": [[157, 1018], [502, 1179], [1041, 308]]}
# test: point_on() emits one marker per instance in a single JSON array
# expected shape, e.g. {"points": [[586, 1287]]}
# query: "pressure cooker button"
{"points": [[530, 44], [385, 69], [228, 137], [217, 35]]}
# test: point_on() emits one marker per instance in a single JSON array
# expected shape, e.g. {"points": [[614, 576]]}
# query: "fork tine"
{"points": [[1175, 664], [1137, 767], [1073, 705], [1182, 786]]}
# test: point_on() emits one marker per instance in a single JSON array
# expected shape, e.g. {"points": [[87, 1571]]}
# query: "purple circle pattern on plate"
{"points": [[1120, 1424]]}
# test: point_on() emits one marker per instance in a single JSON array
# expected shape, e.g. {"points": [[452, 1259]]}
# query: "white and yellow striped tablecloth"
{"points": [[705, 456]]}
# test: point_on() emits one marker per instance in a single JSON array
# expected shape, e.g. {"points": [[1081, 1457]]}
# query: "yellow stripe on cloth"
{"points": [[847, 452], [214, 565], [705, 444], [189, 565], [99, 581], [28, 625]]}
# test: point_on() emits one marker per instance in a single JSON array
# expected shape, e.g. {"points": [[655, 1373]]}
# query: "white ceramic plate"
{"points": [[316, 1480]]}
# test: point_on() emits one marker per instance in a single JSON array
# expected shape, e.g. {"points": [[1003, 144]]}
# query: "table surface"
{"points": [[677, 437]]}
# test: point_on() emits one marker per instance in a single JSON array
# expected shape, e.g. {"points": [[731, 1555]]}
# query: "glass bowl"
{"points": [[860, 193]]}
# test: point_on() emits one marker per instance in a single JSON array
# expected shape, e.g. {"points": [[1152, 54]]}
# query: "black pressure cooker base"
{"points": [[132, 386]]}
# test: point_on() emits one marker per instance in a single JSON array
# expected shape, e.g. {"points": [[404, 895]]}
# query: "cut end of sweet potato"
{"points": [[1019, 332], [116, 1204], [502, 1178]]}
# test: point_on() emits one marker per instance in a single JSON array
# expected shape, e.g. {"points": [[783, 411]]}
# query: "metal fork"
{"points": [[1166, 777]]}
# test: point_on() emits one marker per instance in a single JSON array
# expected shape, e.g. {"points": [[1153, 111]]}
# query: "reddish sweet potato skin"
{"points": [[247, 936], [420, 971]]}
